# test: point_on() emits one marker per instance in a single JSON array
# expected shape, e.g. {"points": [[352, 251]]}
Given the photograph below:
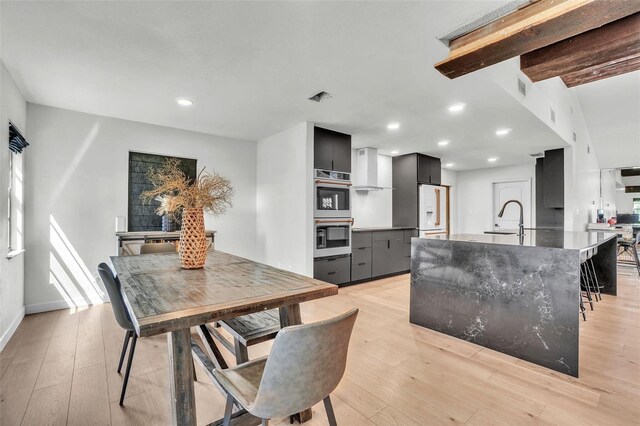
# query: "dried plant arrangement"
{"points": [[210, 191]]}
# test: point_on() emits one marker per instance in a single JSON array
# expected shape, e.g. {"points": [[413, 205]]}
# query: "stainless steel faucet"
{"points": [[521, 224]]}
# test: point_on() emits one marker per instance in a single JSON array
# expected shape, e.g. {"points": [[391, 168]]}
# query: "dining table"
{"points": [[164, 298]]}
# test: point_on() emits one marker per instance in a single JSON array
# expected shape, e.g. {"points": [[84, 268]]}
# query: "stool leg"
{"points": [[634, 250], [596, 286], [586, 284]]}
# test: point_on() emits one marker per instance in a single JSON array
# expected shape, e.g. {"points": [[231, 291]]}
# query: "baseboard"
{"points": [[45, 307], [12, 329]]}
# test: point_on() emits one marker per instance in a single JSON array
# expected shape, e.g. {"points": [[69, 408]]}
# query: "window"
{"points": [[15, 223], [636, 206]]}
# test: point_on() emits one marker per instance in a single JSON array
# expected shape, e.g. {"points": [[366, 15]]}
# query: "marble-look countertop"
{"points": [[384, 228], [569, 240]]}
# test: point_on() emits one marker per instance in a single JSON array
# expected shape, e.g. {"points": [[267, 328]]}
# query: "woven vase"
{"points": [[193, 241]]}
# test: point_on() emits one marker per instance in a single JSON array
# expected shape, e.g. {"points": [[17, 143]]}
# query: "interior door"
{"points": [[515, 190]]}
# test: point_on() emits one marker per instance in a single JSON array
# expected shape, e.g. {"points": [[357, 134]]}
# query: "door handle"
{"points": [[331, 273]]}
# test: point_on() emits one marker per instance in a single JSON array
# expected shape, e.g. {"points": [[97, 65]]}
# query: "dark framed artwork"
{"points": [[141, 216]]}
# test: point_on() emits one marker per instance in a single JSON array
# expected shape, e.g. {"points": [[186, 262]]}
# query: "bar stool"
{"points": [[585, 284], [595, 288]]}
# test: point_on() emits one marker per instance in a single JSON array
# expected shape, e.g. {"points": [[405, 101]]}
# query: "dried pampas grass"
{"points": [[210, 191]]}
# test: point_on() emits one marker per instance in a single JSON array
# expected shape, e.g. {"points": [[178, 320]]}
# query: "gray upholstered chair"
{"points": [[112, 284], [149, 248], [305, 365]]}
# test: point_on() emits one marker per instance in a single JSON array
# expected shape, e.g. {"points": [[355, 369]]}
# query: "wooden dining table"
{"points": [[164, 298]]}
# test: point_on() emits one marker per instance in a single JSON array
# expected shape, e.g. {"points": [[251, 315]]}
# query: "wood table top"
{"points": [[163, 297]]}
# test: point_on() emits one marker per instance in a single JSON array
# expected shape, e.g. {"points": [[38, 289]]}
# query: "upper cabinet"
{"points": [[429, 170], [553, 178], [331, 150]]}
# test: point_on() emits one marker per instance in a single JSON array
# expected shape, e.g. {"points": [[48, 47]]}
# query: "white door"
{"points": [[516, 190]]}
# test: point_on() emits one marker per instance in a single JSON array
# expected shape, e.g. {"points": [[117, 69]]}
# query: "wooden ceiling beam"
{"points": [[604, 47], [600, 72], [540, 24]]}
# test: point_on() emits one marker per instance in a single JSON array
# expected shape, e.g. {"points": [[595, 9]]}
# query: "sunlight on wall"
{"points": [[68, 273], [73, 164]]}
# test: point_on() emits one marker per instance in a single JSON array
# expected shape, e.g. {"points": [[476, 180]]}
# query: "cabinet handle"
{"points": [[331, 164], [331, 273], [331, 260], [331, 182], [388, 244], [363, 263], [362, 248]]}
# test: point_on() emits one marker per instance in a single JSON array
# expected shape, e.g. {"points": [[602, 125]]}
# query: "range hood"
{"points": [[366, 178]]}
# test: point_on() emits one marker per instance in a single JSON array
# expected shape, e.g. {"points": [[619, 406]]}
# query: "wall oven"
{"points": [[332, 194], [332, 237]]}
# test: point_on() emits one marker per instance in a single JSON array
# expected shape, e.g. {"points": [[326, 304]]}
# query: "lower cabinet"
{"points": [[360, 263], [379, 253], [334, 270]]}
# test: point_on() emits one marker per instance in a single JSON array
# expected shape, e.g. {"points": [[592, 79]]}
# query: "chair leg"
{"points": [[329, 409], [265, 422], [126, 374], [228, 408], [125, 344]]}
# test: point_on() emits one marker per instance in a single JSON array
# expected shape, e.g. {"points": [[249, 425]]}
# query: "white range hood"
{"points": [[366, 178]]}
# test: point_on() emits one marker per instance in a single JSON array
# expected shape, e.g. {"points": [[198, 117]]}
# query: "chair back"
{"points": [[112, 284], [148, 248], [305, 365]]}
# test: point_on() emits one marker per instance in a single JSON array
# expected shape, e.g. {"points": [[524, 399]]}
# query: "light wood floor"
{"points": [[59, 368]]}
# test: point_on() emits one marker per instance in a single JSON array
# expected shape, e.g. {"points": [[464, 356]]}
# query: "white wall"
{"points": [[284, 222], [624, 201], [372, 209], [609, 193], [78, 173], [475, 196], [13, 107]]}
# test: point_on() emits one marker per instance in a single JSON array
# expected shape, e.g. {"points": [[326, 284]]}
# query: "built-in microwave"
{"points": [[332, 194], [332, 237]]}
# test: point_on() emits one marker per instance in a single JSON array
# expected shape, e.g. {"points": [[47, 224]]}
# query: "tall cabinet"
{"points": [[408, 172]]}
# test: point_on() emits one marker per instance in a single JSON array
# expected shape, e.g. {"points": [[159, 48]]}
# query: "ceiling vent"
{"points": [[321, 96], [553, 115]]}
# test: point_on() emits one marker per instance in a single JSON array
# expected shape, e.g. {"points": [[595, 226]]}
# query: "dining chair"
{"points": [[305, 365], [112, 284], [149, 248]]}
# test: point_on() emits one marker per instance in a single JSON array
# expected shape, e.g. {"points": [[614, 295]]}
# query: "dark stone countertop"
{"points": [[384, 228], [569, 240]]}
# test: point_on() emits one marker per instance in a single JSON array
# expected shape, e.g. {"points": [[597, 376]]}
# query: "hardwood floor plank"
{"points": [[89, 404], [48, 406]]}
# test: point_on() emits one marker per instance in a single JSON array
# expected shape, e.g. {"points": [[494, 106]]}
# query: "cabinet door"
{"points": [[341, 152], [396, 254], [436, 171], [424, 169], [322, 149], [333, 270], [380, 262], [361, 264]]}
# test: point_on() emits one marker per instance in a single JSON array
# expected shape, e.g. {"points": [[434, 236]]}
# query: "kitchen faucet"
{"points": [[521, 224]]}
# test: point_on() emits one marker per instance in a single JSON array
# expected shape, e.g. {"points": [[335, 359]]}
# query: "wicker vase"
{"points": [[193, 242]]}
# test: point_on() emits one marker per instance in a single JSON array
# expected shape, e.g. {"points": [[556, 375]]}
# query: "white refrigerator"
{"points": [[433, 210]]}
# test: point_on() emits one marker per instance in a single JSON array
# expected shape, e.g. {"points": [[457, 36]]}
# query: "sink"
{"points": [[500, 233]]}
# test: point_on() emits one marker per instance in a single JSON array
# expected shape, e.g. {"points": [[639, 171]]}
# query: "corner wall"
{"points": [[12, 107], [284, 221], [78, 184]]}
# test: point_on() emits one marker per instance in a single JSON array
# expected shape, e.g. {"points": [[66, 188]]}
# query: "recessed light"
{"points": [[394, 152], [393, 125], [184, 102], [443, 143], [457, 107], [492, 159], [502, 132], [636, 167], [449, 165]]}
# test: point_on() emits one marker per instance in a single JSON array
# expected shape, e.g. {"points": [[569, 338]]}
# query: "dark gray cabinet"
{"points": [[553, 178], [409, 171], [406, 248], [334, 270], [387, 256], [331, 150]]}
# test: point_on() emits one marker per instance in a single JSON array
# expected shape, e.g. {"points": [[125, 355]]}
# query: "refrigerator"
{"points": [[433, 210]]}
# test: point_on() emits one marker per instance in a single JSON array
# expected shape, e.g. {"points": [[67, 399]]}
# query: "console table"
{"points": [[129, 242]]}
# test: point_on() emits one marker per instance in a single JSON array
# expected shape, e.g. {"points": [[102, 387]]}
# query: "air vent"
{"points": [[522, 88], [553, 115], [575, 137], [321, 96], [537, 155]]}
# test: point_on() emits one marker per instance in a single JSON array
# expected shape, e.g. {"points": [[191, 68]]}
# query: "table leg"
{"points": [[290, 315], [183, 402]]}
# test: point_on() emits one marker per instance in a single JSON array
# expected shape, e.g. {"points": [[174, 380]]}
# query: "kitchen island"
{"points": [[516, 295]]}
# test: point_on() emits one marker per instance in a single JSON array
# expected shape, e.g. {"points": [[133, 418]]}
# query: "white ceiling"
{"points": [[612, 111], [250, 67]]}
